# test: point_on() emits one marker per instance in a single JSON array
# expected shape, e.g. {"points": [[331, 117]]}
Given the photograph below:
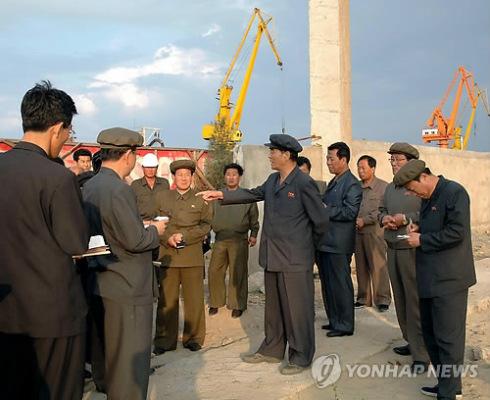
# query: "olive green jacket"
{"points": [[189, 215]]}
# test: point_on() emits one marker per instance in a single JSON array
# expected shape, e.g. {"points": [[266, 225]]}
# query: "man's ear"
{"points": [[55, 129]]}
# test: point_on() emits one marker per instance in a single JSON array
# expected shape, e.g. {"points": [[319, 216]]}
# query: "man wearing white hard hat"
{"points": [[147, 187]]}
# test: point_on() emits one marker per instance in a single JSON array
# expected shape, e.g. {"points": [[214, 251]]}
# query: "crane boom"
{"points": [[232, 122], [442, 129]]}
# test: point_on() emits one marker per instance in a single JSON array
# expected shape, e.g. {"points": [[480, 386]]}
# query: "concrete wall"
{"points": [[471, 169]]}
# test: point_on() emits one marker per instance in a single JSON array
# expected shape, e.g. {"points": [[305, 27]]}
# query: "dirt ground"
{"points": [[216, 372]]}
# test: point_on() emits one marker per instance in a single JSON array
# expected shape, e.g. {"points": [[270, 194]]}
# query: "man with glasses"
{"points": [[397, 211]]}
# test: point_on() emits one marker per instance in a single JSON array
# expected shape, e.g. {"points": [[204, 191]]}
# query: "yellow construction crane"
{"points": [[232, 122]]}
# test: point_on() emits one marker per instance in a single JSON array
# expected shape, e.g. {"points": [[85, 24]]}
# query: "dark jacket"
{"points": [[293, 216], [343, 199], [445, 257], [126, 275], [43, 226]]}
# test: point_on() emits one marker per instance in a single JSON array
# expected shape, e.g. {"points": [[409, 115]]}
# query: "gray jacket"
{"points": [[127, 274], [293, 217]]}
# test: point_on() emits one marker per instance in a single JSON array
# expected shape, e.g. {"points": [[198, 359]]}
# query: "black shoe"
{"points": [[236, 313], [335, 333], [358, 305], [160, 350], [402, 350], [383, 308], [327, 327], [193, 346], [432, 391], [419, 367], [213, 311]]}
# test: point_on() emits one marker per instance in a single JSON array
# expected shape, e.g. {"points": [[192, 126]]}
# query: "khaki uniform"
{"points": [[231, 224], [191, 216], [146, 196], [373, 282], [401, 268]]}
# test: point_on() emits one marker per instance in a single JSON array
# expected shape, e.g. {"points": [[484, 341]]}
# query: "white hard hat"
{"points": [[150, 160]]}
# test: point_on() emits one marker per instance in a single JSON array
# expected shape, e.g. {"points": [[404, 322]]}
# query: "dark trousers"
{"points": [[41, 368], [167, 324], [443, 326], [337, 290], [121, 348], [231, 254], [289, 316]]}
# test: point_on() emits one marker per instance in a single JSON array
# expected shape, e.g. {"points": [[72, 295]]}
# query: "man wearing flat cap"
{"points": [[396, 211], [122, 302], [293, 218], [445, 270], [182, 260]]}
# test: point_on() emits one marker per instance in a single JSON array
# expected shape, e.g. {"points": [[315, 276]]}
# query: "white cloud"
{"points": [[11, 123], [129, 95], [167, 60], [120, 84], [214, 28], [85, 104]]}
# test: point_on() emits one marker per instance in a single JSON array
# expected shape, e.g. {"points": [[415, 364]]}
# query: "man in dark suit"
{"points": [[293, 216], [42, 306], [122, 302], [445, 270], [343, 199]]}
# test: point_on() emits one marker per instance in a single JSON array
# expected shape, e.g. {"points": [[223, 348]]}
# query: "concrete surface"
{"points": [[216, 372]]}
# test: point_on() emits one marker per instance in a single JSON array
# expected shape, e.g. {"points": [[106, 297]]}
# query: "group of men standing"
{"points": [[47, 223]]}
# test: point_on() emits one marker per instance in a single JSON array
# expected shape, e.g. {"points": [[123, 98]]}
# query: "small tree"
{"points": [[220, 153]]}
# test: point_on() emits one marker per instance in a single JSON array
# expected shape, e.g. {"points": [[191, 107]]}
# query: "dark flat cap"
{"points": [[114, 138], [409, 172], [182, 164], [404, 148], [284, 142]]}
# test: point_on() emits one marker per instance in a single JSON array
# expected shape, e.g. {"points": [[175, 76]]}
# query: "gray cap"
{"points": [[115, 138], [182, 164], [404, 148], [409, 172], [284, 142]]}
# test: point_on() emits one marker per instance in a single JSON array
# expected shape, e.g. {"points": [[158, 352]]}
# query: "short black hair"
{"points": [[343, 151], [114, 154], [83, 153], [44, 106], [425, 171], [370, 160], [236, 166], [302, 161]]}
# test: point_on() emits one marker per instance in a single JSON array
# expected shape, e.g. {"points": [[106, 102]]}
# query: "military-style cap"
{"points": [[179, 164], [404, 148], [284, 142], [409, 172], [115, 138]]}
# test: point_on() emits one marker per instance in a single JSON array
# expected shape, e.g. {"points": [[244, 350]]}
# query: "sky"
{"points": [[158, 63]]}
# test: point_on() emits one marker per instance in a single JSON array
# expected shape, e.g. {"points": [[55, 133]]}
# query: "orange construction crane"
{"points": [[442, 129]]}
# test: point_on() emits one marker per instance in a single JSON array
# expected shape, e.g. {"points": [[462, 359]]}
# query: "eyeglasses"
{"points": [[394, 160]]}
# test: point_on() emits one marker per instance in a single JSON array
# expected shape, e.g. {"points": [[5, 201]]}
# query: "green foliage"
{"points": [[220, 153]]}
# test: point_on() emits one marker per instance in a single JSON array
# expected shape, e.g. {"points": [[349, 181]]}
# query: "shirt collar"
{"points": [[31, 147], [185, 196]]}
